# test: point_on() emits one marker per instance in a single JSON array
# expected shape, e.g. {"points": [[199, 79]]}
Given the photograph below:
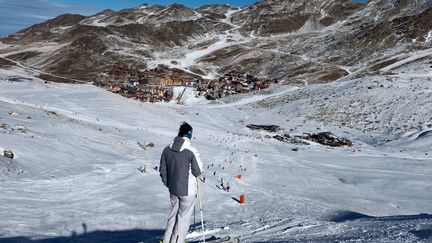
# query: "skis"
{"points": [[225, 239], [196, 234]]}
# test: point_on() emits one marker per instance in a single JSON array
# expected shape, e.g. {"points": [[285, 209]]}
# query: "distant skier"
{"points": [[179, 166]]}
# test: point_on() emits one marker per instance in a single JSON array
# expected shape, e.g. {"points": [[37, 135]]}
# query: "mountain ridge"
{"points": [[315, 41]]}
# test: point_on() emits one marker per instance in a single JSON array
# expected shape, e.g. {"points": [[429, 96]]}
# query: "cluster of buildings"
{"points": [[157, 84], [153, 85], [232, 83]]}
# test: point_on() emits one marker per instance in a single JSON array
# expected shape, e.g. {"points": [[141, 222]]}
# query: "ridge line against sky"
{"points": [[19, 14]]}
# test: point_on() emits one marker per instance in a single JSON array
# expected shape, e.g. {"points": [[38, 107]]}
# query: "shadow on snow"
{"points": [[126, 236], [345, 215]]}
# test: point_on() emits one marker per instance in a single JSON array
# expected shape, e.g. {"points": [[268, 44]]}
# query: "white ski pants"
{"points": [[179, 218]]}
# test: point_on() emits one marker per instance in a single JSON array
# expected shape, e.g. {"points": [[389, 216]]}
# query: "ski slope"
{"points": [[75, 177]]}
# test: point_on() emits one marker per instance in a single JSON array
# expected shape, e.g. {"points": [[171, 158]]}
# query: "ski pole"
{"points": [[200, 203]]}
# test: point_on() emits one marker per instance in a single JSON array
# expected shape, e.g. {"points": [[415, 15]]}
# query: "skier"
{"points": [[179, 166]]}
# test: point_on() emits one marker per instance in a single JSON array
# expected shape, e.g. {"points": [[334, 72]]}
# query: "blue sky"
{"points": [[19, 14]]}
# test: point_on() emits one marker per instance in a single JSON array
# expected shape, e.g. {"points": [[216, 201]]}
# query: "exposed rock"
{"points": [[6, 63], [216, 9], [270, 128], [22, 56], [146, 146], [51, 113], [327, 138], [8, 154], [291, 139], [43, 31], [282, 138], [276, 17]]}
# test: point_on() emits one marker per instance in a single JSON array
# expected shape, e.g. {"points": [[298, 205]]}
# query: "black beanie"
{"points": [[184, 129]]}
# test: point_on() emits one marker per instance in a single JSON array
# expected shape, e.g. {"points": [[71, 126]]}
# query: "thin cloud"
{"points": [[19, 14], [42, 17]]}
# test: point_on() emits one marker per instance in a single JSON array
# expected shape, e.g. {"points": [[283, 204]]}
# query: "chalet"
{"points": [[114, 87], [157, 84]]}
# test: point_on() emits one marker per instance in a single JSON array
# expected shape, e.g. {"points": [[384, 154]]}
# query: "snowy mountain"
{"points": [[360, 71], [316, 41]]}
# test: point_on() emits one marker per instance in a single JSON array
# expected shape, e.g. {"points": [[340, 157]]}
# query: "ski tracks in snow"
{"points": [[268, 229]]}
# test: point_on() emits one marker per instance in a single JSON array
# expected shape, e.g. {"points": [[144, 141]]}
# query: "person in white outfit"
{"points": [[179, 166]]}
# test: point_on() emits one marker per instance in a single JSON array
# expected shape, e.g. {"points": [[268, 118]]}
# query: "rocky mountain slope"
{"points": [[295, 41]]}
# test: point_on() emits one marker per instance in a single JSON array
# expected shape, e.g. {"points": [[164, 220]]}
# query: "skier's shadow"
{"points": [[126, 236], [196, 226]]}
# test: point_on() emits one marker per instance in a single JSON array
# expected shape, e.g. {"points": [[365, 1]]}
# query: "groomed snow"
{"points": [[81, 183], [411, 57], [184, 59]]}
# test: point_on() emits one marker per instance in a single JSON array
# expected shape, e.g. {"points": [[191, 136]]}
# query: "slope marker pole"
{"points": [[200, 203]]}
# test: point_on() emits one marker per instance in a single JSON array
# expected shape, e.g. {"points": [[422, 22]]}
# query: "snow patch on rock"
{"points": [[310, 25], [429, 37], [60, 29]]}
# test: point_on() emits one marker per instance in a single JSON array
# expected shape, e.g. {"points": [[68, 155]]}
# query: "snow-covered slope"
{"points": [[80, 156]]}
